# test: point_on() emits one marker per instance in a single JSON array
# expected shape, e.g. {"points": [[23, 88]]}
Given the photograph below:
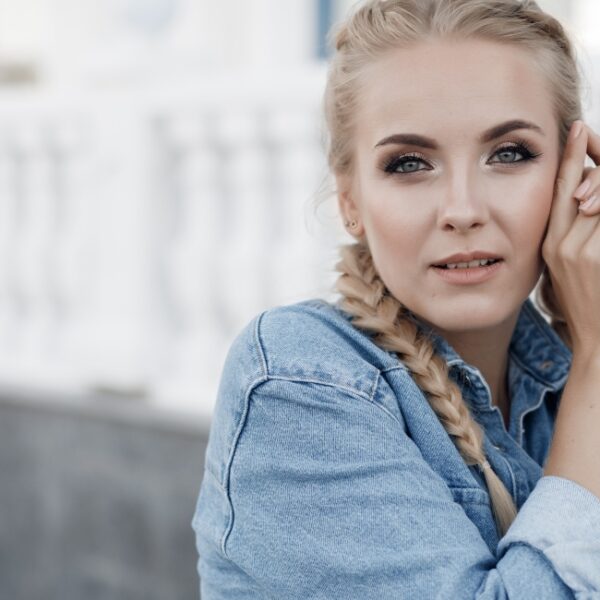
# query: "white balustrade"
{"points": [[140, 231], [188, 266]]}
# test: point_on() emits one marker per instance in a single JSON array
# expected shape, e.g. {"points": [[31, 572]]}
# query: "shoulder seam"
{"points": [[316, 381], [242, 422], [261, 351]]}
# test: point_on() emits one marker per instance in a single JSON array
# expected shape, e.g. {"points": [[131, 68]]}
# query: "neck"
{"points": [[488, 351]]}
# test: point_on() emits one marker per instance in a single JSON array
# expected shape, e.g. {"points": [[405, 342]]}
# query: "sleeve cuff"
{"points": [[561, 519]]}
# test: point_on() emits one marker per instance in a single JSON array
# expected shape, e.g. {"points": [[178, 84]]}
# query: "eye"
{"points": [[507, 154], [403, 164]]}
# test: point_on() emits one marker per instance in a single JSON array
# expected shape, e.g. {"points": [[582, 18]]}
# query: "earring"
{"points": [[352, 225]]}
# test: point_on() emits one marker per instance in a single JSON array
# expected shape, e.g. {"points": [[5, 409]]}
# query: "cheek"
{"points": [[532, 215], [396, 239], [394, 229]]}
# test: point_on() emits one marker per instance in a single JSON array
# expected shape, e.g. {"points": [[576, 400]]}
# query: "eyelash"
{"points": [[520, 146]]}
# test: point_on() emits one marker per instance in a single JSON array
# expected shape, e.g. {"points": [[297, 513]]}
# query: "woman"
{"points": [[407, 441]]}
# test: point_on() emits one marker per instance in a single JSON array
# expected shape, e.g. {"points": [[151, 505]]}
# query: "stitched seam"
{"points": [[266, 374], [476, 491], [533, 408], [261, 351], [215, 478], [375, 386], [238, 432], [350, 390], [540, 552], [512, 475], [536, 319], [400, 366], [251, 388], [346, 388], [537, 376]]}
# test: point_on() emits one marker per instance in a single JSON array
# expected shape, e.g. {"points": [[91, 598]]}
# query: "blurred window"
{"points": [[325, 18]]}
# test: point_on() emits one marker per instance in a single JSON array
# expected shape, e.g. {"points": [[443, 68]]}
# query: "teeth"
{"points": [[470, 265]]}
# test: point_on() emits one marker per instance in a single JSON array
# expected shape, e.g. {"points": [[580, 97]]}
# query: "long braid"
{"points": [[365, 297], [373, 28]]}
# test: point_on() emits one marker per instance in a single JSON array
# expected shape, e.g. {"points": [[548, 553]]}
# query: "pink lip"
{"points": [[470, 275], [462, 257]]}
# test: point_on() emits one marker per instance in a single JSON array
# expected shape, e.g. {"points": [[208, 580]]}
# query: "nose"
{"points": [[462, 206]]}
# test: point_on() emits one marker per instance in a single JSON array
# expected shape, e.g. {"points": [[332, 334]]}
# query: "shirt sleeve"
{"points": [[561, 519], [330, 498]]}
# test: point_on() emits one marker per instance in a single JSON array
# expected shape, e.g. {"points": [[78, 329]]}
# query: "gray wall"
{"points": [[96, 499]]}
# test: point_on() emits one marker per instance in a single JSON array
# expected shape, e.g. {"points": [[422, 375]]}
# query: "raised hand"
{"points": [[571, 248]]}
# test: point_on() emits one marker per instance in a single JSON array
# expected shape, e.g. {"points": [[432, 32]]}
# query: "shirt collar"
{"points": [[534, 347]]}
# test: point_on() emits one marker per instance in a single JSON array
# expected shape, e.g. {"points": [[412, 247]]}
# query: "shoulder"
{"points": [[312, 340]]}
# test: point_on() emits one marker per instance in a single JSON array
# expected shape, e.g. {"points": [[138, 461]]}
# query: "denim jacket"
{"points": [[327, 474]]}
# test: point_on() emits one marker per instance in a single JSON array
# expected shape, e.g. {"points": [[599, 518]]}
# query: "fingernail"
{"points": [[588, 203], [582, 189], [577, 128]]}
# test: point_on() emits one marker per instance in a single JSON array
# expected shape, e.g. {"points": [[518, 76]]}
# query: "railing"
{"points": [[140, 230]]}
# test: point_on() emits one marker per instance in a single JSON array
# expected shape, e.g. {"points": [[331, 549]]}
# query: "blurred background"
{"points": [[160, 161]]}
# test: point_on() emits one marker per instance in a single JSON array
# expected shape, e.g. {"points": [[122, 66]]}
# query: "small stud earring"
{"points": [[352, 225]]}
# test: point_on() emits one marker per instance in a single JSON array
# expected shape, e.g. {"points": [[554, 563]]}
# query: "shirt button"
{"points": [[547, 364]]}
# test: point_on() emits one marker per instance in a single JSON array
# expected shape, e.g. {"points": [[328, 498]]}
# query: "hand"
{"points": [[571, 247]]}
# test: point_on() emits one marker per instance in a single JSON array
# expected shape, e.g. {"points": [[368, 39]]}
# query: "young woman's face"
{"points": [[480, 187]]}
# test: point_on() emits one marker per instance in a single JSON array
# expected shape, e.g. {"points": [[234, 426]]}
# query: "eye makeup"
{"points": [[391, 164]]}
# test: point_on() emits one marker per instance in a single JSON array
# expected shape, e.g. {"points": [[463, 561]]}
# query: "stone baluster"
{"points": [[74, 250], [193, 233], [33, 252], [243, 254], [299, 268], [10, 304]]}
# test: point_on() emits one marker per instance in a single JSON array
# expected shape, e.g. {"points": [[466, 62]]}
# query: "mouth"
{"points": [[476, 264], [471, 274]]}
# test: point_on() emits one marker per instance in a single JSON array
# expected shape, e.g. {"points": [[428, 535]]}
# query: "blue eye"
{"points": [[409, 163], [515, 149]]}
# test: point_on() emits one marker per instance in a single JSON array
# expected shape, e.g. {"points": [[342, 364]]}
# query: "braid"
{"points": [[375, 310], [371, 30]]}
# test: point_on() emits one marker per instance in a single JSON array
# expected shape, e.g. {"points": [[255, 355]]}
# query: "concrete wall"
{"points": [[96, 499]]}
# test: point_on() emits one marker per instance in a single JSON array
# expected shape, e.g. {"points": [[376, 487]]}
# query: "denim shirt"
{"points": [[327, 474]]}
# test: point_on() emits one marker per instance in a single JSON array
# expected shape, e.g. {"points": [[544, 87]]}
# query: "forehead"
{"points": [[458, 86]]}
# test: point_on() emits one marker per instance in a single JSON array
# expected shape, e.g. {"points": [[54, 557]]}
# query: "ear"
{"points": [[348, 208]]}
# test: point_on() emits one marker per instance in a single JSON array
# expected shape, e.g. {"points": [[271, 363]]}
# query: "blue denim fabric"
{"points": [[328, 475]]}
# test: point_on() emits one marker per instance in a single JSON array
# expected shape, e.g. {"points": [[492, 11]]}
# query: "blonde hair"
{"points": [[375, 27]]}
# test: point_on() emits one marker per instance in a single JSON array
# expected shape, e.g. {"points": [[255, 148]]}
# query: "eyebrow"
{"points": [[487, 136]]}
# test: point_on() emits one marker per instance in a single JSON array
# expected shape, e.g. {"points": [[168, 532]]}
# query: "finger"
{"points": [[585, 190], [584, 228], [593, 150], [589, 181], [564, 210], [590, 206], [588, 192], [593, 147]]}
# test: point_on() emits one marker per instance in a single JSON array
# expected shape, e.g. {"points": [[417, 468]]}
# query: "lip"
{"points": [[466, 257], [469, 276]]}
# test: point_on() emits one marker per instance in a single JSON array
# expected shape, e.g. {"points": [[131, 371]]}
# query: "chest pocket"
{"points": [[476, 504]]}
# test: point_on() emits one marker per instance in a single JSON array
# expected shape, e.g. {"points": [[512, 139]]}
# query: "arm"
{"points": [[575, 450], [329, 498]]}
